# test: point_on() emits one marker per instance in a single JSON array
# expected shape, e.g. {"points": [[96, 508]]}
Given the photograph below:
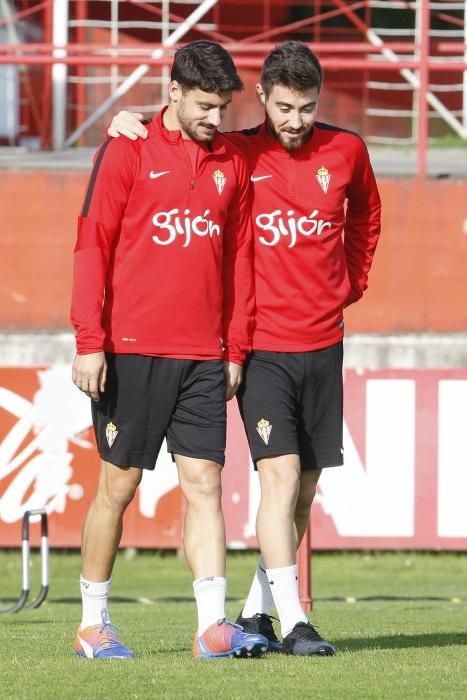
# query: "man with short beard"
{"points": [[316, 216], [163, 306]]}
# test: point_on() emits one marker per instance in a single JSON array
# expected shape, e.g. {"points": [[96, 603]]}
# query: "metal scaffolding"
{"points": [[93, 55]]}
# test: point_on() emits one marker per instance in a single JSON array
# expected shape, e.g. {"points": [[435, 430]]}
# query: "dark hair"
{"points": [[207, 66], [292, 65]]}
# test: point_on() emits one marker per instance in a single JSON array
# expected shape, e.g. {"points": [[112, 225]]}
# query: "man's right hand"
{"points": [[89, 374], [128, 124]]}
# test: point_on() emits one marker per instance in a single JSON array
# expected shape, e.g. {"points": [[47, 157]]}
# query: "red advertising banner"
{"points": [[403, 485]]}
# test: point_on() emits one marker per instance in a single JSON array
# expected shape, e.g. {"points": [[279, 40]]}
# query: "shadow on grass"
{"points": [[387, 598], [121, 599], [75, 601], [233, 599], [403, 641]]}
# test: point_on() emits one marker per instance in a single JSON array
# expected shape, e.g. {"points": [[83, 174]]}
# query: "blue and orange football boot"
{"points": [[101, 642], [225, 639]]}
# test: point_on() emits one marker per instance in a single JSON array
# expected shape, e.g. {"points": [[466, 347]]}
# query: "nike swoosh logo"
{"points": [[259, 177], [153, 175]]}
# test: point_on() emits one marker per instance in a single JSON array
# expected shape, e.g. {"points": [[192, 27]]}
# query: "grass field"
{"points": [[399, 622]]}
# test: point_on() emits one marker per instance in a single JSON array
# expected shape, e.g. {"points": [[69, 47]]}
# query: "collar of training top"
{"points": [[156, 127]]}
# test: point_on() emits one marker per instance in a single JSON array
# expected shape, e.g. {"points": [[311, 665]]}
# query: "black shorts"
{"points": [[149, 398], [291, 403]]}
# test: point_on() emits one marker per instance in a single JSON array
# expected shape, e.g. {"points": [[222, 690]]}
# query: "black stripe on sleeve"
{"points": [[330, 127], [249, 132], [92, 182]]}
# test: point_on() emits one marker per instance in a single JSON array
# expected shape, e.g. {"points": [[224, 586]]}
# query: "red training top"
{"points": [[163, 260], [312, 256]]}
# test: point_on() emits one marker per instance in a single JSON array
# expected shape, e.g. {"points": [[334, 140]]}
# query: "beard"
{"points": [[193, 129], [285, 141]]}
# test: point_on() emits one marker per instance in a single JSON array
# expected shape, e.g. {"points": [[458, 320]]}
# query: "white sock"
{"points": [[259, 598], [94, 596], [210, 600], [284, 589]]}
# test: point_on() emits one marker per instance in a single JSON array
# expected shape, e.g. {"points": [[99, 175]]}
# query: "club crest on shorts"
{"points": [[264, 428], [323, 178], [220, 180], [111, 433]]}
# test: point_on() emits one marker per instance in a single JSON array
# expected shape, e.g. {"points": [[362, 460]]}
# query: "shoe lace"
{"points": [[265, 626], [307, 631], [108, 631], [225, 621]]}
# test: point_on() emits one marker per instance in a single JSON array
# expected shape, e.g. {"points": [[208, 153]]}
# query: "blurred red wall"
{"points": [[417, 283]]}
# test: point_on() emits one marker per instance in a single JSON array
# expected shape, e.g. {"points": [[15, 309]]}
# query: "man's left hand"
{"points": [[233, 378]]}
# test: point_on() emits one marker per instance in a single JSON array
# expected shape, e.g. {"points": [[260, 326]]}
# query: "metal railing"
{"points": [[91, 64]]}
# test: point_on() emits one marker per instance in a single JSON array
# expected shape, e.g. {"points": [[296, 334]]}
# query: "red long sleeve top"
{"points": [[316, 219], [163, 260]]}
